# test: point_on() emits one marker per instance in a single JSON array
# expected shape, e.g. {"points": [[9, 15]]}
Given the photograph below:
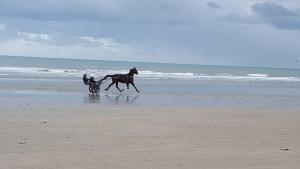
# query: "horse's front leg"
{"points": [[135, 87], [117, 85], [127, 85]]}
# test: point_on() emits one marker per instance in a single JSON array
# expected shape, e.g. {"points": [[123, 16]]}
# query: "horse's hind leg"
{"points": [[117, 86], [110, 85]]}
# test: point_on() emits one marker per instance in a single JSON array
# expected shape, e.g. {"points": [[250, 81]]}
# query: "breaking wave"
{"points": [[146, 74]]}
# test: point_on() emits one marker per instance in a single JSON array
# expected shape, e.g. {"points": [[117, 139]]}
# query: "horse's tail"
{"points": [[105, 78]]}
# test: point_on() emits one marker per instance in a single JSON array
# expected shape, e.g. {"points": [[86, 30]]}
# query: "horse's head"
{"points": [[134, 71]]}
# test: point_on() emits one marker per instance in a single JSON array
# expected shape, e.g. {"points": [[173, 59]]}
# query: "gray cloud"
{"points": [[127, 11], [57, 10], [190, 31], [213, 5], [277, 15], [2, 26]]}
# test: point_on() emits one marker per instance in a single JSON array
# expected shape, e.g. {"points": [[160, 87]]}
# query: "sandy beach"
{"points": [[48, 119], [97, 136]]}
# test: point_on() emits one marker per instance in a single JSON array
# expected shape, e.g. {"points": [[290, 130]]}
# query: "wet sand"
{"points": [[51, 136], [54, 124]]}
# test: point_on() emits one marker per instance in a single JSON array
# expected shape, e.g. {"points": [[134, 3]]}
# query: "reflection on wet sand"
{"points": [[113, 99], [119, 99], [92, 98]]}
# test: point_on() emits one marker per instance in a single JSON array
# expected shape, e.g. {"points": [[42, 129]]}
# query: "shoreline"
{"points": [[164, 100], [167, 93]]}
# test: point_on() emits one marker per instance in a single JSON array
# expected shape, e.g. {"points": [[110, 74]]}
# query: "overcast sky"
{"points": [[215, 32]]}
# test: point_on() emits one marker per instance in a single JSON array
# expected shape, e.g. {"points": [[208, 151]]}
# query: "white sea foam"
{"points": [[258, 75], [35, 70], [146, 74]]}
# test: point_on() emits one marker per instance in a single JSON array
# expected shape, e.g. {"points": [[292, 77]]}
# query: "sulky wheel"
{"points": [[94, 88]]}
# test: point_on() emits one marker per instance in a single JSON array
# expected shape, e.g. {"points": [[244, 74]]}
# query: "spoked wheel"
{"points": [[94, 88]]}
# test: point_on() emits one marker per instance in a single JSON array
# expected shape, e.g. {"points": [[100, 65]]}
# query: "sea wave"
{"points": [[257, 75], [146, 74], [36, 70]]}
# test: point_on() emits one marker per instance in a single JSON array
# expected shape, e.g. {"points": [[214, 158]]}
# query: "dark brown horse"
{"points": [[122, 78]]}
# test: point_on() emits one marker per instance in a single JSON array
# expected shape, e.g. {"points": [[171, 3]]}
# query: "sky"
{"points": [[263, 33]]}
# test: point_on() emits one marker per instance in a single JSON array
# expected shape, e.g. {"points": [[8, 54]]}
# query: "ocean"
{"points": [[159, 83], [50, 67]]}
